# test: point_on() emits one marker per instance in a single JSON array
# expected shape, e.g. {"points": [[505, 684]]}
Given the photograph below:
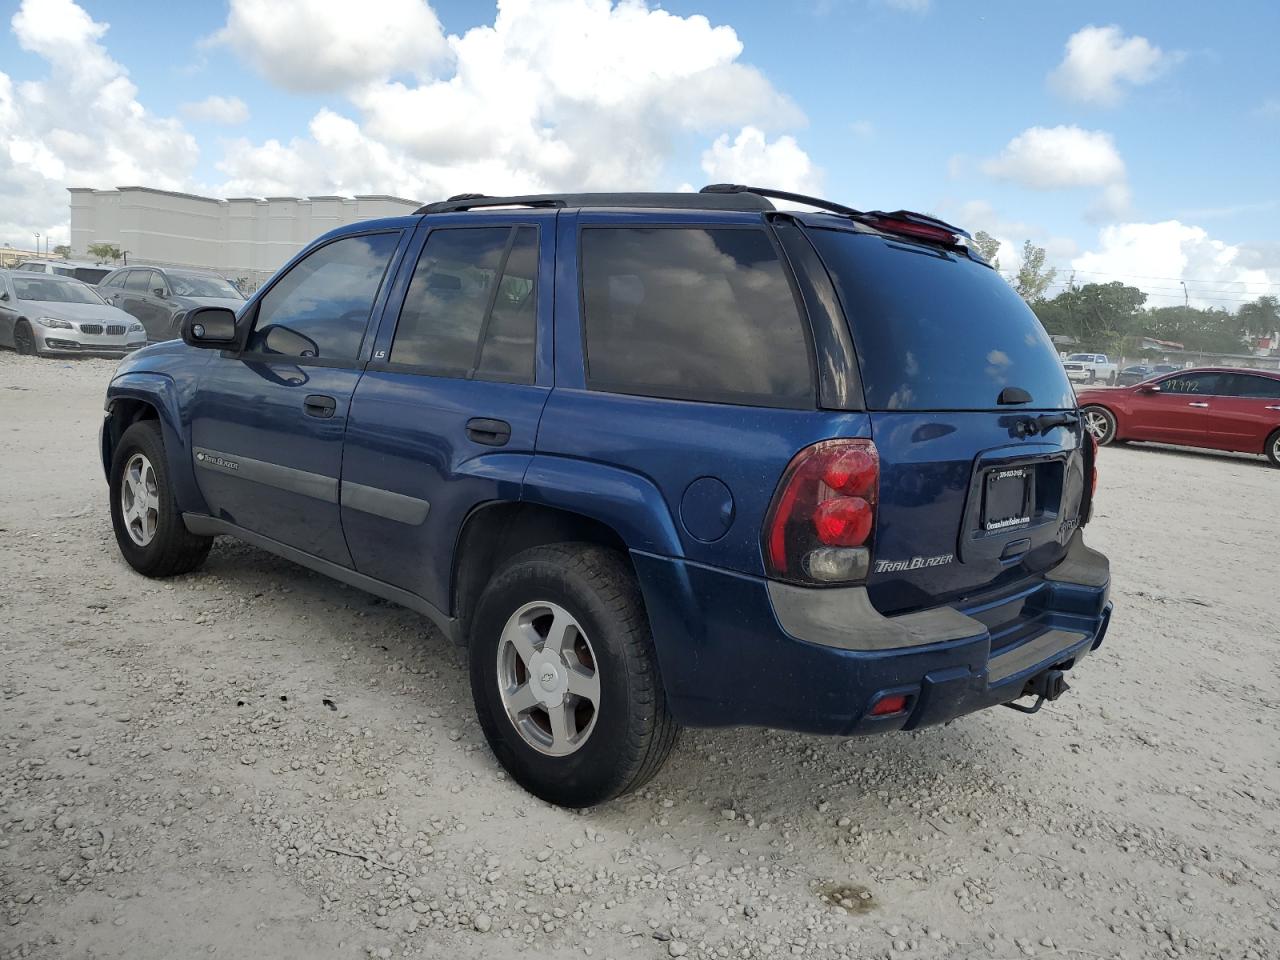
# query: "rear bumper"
{"points": [[736, 650]]}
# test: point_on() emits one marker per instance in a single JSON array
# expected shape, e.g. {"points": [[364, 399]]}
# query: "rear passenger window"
{"points": [[471, 307], [1249, 385], [692, 314], [320, 308]]}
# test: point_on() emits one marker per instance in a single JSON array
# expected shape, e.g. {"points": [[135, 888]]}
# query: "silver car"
{"points": [[49, 315]]}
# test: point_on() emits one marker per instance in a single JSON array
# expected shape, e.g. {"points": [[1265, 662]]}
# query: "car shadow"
{"points": [[1223, 456], [726, 768]]}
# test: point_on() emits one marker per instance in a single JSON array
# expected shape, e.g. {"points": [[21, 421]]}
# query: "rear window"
{"points": [[693, 314], [936, 331]]}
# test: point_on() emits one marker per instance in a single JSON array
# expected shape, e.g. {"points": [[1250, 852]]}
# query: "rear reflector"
{"points": [[894, 703]]}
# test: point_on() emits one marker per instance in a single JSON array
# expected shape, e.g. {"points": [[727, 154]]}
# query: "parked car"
{"points": [[81, 270], [1215, 408], [1135, 373], [46, 314], [161, 296], [656, 459], [1089, 368]]}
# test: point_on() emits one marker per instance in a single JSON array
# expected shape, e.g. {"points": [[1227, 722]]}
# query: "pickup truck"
{"points": [[1090, 367]]}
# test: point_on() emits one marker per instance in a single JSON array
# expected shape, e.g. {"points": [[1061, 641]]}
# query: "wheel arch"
{"points": [[494, 532], [147, 396]]}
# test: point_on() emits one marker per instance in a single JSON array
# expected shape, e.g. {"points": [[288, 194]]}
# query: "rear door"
{"points": [[447, 412], [1177, 411], [981, 463], [267, 423], [1244, 413]]}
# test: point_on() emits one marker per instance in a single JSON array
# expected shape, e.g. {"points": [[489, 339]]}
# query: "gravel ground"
{"points": [[253, 761]]}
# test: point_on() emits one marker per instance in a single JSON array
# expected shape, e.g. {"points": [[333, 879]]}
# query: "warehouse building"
{"points": [[244, 238]]}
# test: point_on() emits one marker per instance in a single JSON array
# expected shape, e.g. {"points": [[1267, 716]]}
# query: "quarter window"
{"points": [[692, 314], [320, 308], [471, 307]]}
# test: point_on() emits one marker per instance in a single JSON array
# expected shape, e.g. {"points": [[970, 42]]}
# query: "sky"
{"points": [[1134, 141]]}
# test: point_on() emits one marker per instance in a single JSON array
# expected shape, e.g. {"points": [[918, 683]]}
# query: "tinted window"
{"points": [[471, 306], [692, 314], [202, 285], [1249, 385], [1204, 383], [90, 274], [115, 281], [937, 331], [320, 308], [137, 280]]}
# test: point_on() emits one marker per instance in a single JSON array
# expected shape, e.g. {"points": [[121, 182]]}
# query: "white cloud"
{"points": [[557, 94], [1100, 61], [561, 94], [863, 129], [216, 109], [81, 126], [1046, 158], [751, 159], [1155, 256], [911, 6], [332, 45]]}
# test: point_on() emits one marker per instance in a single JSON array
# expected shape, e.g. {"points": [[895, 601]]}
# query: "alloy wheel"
{"points": [[547, 678], [1098, 424], [140, 500]]}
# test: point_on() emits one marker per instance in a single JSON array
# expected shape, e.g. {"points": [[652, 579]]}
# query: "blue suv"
{"points": [[656, 460]]}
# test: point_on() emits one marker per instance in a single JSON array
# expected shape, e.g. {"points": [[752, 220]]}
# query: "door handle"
{"points": [[1274, 407], [490, 433], [318, 405], [1197, 404]]}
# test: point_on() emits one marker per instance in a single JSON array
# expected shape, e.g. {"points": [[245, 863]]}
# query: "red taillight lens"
{"points": [[1093, 463], [923, 231], [821, 522], [843, 521]]}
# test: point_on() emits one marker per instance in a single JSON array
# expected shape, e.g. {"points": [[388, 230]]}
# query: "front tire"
{"points": [[565, 678], [1100, 422], [1273, 448], [148, 526], [24, 341]]}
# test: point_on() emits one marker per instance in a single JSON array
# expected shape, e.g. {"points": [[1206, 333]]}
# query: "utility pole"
{"points": [[37, 244]]}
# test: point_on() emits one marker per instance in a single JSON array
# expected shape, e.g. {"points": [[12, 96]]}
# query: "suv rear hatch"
{"points": [[981, 455]]}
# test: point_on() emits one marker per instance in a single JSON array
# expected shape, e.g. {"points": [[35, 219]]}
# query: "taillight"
{"points": [[821, 523], [1093, 463]]}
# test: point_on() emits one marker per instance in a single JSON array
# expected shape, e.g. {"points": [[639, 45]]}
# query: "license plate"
{"points": [[1006, 498]]}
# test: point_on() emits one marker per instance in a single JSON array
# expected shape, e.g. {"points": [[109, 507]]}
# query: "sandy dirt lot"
{"points": [[253, 761]]}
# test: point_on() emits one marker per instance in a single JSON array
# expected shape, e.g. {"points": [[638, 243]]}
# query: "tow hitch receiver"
{"points": [[1049, 685]]}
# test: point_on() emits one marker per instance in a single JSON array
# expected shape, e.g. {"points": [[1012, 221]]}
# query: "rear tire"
{"points": [[1273, 448], [24, 341], [597, 749], [1100, 422], [144, 511]]}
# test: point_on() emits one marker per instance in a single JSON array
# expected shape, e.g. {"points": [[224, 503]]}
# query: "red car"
{"points": [[1217, 408]]}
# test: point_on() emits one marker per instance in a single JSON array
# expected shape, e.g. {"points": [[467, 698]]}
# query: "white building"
{"points": [[243, 238]]}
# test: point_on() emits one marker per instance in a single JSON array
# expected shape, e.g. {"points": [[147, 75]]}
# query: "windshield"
{"points": [[52, 289], [201, 285], [935, 330], [1086, 357]]}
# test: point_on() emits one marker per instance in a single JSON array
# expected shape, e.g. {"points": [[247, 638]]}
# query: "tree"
{"points": [[1260, 318], [1213, 331], [988, 246], [1033, 278], [1098, 315], [62, 250], [105, 251]]}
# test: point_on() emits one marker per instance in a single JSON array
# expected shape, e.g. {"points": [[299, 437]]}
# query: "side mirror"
{"points": [[4, 294], [1149, 388], [159, 292], [210, 327]]}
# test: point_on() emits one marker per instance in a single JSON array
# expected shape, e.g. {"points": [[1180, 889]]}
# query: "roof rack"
{"points": [[868, 216], [747, 200]]}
